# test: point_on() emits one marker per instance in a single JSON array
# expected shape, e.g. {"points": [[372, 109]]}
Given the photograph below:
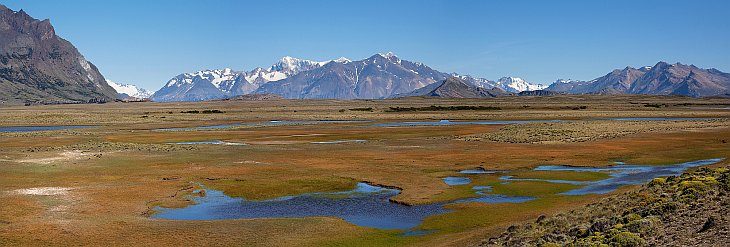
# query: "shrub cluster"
{"points": [[203, 111], [444, 108]]}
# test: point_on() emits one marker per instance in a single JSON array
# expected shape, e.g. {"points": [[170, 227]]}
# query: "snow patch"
{"points": [[516, 84], [129, 89]]}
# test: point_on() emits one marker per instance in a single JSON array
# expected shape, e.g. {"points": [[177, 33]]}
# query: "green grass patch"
{"points": [[477, 215], [518, 188], [272, 188], [465, 191], [372, 238], [531, 188]]}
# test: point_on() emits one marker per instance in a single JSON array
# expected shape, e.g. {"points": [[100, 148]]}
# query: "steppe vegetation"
{"points": [[100, 184]]}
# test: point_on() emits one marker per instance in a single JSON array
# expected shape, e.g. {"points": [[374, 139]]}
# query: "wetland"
{"points": [[303, 172]]}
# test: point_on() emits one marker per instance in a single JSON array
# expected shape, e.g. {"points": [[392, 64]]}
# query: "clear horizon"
{"points": [[147, 43]]}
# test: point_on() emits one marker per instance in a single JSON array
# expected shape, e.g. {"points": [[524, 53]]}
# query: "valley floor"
{"points": [[99, 183]]}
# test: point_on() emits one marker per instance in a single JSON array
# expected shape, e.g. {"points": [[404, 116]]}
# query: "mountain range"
{"points": [[382, 75], [225, 83], [660, 79], [37, 66], [379, 76]]}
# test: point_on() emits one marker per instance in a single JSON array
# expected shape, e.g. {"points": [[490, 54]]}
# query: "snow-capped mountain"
{"points": [[509, 84], [479, 82], [128, 90], [385, 75], [284, 68], [224, 83], [379, 76], [565, 85], [204, 85], [516, 85]]}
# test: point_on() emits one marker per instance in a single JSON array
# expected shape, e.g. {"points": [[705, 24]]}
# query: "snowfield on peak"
{"points": [[129, 90], [509, 84], [286, 67], [516, 85], [223, 83], [379, 76]]}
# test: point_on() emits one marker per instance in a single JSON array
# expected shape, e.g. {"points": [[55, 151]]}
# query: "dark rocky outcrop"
{"points": [[539, 93], [37, 66], [454, 87]]}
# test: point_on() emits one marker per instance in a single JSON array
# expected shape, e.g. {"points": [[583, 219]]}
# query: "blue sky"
{"points": [[148, 42]]}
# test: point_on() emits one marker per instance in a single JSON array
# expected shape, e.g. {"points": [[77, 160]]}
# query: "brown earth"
{"points": [[98, 185]]}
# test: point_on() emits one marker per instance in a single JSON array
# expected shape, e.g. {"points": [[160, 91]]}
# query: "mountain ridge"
{"points": [[385, 75], [38, 66], [381, 75], [454, 87], [378, 76], [660, 79], [223, 83]]}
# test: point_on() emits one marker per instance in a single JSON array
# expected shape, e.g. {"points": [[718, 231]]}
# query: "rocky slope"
{"points": [[565, 85], [37, 66], [688, 210], [454, 87], [660, 79]]}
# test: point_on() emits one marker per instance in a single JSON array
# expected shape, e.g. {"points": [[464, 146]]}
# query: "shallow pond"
{"points": [[485, 196], [456, 180], [261, 124], [555, 181], [620, 175], [40, 128], [369, 205], [339, 142], [212, 142], [505, 122], [366, 205], [657, 119], [404, 124], [449, 122], [477, 171]]}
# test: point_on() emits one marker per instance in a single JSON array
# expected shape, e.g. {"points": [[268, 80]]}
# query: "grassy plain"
{"points": [[107, 179]]}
